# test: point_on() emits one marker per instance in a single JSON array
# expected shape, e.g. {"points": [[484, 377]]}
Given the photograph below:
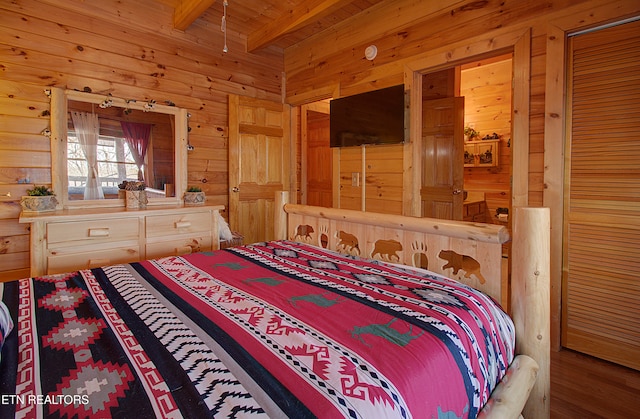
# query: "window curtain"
{"points": [[87, 127], [137, 137]]}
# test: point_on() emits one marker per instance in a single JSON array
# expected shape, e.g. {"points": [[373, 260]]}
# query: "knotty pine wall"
{"points": [[412, 36], [378, 186], [130, 50], [407, 33], [486, 87]]}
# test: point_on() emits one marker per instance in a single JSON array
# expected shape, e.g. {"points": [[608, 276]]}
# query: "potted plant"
{"points": [[39, 199], [471, 134], [194, 196], [135, 195]]}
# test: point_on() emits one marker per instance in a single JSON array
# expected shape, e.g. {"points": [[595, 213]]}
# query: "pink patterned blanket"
{"points": [[272, 329]]}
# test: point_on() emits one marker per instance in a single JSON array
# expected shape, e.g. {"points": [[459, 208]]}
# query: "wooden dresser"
{"points": [[69, 240]]}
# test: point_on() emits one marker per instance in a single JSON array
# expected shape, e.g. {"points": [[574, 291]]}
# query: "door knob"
{"points": [[457, 191], [235, 189]]}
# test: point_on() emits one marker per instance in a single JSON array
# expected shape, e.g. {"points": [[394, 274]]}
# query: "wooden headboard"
{"points": [[469, 252]]}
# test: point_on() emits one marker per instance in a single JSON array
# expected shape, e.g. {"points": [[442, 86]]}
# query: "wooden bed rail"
{"points": [[488, 233]]}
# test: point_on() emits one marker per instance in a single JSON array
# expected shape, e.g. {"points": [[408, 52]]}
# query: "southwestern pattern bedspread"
{"points": [[276, 329]]}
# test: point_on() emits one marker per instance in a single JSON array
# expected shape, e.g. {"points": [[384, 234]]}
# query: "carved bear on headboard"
{"points": [[303, 232], [458, 262], [387, 249], [348, 242]]}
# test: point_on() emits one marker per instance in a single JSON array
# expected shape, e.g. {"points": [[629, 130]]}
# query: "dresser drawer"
{"points": [[175, 224], [178, 247], [116, 229], [61, 261]]}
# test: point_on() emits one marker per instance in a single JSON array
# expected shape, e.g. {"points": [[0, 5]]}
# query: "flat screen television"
{"points": [[375, 117]]}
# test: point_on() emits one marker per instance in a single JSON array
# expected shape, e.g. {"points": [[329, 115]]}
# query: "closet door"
{"points": [[601, 261]]}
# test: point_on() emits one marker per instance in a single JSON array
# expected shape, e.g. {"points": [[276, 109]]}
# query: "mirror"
{"points": [[98, 141]]}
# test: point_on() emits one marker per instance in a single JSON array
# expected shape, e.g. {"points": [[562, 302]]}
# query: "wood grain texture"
{"points": [[586, 387]]}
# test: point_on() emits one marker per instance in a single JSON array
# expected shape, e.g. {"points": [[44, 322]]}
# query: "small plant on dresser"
{"points": [[39, 199], [194, 196]]}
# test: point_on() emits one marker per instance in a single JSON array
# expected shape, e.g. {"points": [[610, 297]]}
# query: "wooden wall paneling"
{"points": [[52, 44], [151, 39], [521, 124], [412, 158], [423, 27], [486, 86], [383, 178], [303, 138], [350, 164], [25, 160]]}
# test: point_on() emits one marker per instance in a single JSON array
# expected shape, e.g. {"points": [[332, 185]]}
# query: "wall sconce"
{"points": [[370, 52]]}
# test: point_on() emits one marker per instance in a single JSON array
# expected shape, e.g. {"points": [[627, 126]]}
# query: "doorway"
{"points": [[484, 88], [316, 156]]}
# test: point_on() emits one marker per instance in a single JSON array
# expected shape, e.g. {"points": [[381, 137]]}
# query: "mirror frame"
{"points": [[59, 176]]}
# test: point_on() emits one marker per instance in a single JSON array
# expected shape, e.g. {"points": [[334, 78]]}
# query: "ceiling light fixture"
{"points": [[223, 26], [371, 52]]}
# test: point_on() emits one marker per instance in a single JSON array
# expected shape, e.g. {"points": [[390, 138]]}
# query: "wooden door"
{"points": [[317, 156], [601, 258], [442, 158], [258, 164]]}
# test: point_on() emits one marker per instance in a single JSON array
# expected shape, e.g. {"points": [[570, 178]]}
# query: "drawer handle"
{"points": [[99, 232], [186, 250], [183, 224], [94, 263]]}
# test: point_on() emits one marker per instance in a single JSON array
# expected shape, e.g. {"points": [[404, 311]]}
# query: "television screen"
{"points": [[375, 117]]}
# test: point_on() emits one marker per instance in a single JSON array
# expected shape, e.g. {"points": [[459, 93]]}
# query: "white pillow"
{"points": [[6, 323], [224, 232]]}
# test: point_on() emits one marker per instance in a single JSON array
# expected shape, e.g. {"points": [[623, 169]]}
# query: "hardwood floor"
{"points": [[584, 387]]}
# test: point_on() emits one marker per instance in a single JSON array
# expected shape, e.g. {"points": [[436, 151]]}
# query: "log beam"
{"points": [[297, 18], [187, 11]]}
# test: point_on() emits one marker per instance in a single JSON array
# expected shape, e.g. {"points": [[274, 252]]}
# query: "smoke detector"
{"points": [[370, 52]]}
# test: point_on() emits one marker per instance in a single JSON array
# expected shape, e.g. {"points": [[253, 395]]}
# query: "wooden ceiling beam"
{"points": [[187, 11], [300, 16]]}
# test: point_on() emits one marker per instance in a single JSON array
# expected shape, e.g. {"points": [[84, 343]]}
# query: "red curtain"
{"points": [[137, 137]]}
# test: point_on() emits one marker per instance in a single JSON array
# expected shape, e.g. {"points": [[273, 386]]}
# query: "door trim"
{"points": [[519, 43]]}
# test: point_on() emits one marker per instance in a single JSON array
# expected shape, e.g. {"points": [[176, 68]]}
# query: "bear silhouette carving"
{"points": [[459, 262], [304, 232], [347, 241], [387, 249]]}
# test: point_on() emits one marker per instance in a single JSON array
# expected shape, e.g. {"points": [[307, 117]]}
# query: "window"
{"points": [[115, 164]]}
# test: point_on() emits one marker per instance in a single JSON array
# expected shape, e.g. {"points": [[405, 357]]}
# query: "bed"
{"points": [[337, 318]]}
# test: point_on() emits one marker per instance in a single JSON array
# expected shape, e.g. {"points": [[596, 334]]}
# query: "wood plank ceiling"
{"points": [[265, 23]]}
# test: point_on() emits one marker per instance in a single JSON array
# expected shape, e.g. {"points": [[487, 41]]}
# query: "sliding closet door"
{"points": [[601, 263]]}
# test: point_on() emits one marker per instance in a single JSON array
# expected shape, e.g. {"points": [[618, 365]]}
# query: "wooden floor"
{"points": [[584, 387]]}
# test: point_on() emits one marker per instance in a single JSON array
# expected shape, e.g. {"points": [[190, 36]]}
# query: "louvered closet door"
{"points": [[601, 284]]}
